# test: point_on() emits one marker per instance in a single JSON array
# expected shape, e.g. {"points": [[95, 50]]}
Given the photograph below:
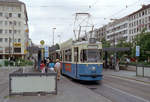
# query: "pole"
{"points": [[53, 35], [13, 40]]}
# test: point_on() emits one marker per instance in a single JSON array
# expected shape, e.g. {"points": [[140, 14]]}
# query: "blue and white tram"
{"points": [[82, 60]]}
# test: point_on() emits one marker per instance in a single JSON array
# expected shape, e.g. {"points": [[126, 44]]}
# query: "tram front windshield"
{"points": [[90, 55]]}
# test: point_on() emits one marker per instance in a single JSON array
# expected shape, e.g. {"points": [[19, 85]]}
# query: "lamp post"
{"points": [[53, 35], [114, 38]]}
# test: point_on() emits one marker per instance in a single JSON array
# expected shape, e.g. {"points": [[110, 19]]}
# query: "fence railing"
{"points": [[143, 71]]}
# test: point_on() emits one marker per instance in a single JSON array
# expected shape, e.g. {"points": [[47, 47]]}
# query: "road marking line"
{"points": [[137, 97], [131, 79]]}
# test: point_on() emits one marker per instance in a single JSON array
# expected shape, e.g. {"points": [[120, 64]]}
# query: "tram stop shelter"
{"points": [[113, 50]]}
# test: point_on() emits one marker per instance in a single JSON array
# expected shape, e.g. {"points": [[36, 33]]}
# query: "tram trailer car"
{"points": [[82, 60]]}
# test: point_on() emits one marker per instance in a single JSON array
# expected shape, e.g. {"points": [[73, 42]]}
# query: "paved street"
{"points": [[119, 89], [111, 89]]}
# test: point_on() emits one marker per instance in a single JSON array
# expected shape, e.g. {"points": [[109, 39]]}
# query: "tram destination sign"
{"points": [[92, 46]]}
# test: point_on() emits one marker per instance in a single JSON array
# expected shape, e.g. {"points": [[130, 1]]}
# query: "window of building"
{"points": [[10, 14], [15, 31], [10, 31], [15, 23], [10, 22], [19, 23], [139, 14], [19, 40], [1, 31], [19, 31], [1, 22], [15, 40], [19, 15], [145, 20], [1, 14], [6, 32], [1, 39], [143, 13], [17, 50], [6, 23], [6, 40]]}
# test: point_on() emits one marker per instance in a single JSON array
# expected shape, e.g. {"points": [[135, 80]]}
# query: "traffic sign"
{"points": [[137, 51], [42, 42]]}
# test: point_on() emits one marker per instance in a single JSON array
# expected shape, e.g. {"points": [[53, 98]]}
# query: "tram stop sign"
{"points": [[137, 51], [42, 42]]}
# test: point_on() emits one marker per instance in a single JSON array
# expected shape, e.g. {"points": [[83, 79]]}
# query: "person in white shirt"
{"points": [[57, 68]]}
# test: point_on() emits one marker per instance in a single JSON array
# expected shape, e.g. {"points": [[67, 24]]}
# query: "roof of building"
{"points": [[143, 8]]}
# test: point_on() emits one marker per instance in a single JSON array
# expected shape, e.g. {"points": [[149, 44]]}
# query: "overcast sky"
{"points": [[47, 14]]}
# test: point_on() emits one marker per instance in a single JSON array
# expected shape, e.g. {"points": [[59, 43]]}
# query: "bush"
{"points": [[0, 65], [6, 62]]}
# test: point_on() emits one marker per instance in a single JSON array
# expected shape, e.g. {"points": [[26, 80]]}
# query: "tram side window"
{"points": [[76, 54], [68, 54]]}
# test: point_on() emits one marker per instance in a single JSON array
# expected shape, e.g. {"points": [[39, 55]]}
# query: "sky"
{"points": [[44, 15]]}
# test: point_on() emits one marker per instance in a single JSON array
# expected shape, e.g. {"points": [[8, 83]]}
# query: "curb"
{"points": [[130, 78]]}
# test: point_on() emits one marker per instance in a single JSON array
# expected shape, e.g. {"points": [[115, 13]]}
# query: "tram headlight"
{"points": [[93, 69]]}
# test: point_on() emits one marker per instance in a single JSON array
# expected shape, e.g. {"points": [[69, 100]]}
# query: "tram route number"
{"points": [[68, 67]]}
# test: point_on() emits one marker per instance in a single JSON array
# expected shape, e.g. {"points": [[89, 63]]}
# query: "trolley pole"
{"points": [[53, 35]]}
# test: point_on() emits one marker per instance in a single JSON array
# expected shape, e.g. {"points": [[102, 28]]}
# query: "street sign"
{"points": [[46, 48], [137, 51]]}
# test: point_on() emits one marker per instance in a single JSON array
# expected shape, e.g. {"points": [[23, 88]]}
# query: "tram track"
{"points": [[119, 90]]}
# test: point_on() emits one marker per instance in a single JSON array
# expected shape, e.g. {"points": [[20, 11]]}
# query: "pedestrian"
{"points": [[117, 65], [47, 64], [42, 67], [57, 68], [51, 66]]}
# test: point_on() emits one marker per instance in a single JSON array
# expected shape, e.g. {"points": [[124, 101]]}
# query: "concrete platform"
{"points": [[67, 92]]}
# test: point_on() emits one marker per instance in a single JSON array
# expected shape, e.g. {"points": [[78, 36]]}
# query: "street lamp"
{"points": [[114, 38], [53, 35]]}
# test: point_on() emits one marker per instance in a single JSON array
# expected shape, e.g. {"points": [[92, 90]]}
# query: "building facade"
{"points": [[126, 28], [138, 21], [100, 33], [13, 29], [117, 30]]}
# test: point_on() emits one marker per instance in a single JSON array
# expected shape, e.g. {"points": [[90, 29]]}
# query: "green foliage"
{"points": [[0, 65], [143, 40], [6, 62], [123, 44], [105, 43]]}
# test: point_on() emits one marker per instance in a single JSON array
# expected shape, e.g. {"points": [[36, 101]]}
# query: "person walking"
{"points": [[42, 67], [51, 65], [57, 68]]}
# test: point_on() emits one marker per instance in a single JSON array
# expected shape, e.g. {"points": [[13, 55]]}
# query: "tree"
{"points": [[123, 44], [143, 40], [105, 43]]}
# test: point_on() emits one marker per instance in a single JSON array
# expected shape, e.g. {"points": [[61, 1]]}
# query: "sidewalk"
{"points": [[68, 91], [126, 74]]}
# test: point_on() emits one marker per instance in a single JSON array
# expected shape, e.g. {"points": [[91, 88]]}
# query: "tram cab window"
{"points": [[68, 54], [90, 55]]}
